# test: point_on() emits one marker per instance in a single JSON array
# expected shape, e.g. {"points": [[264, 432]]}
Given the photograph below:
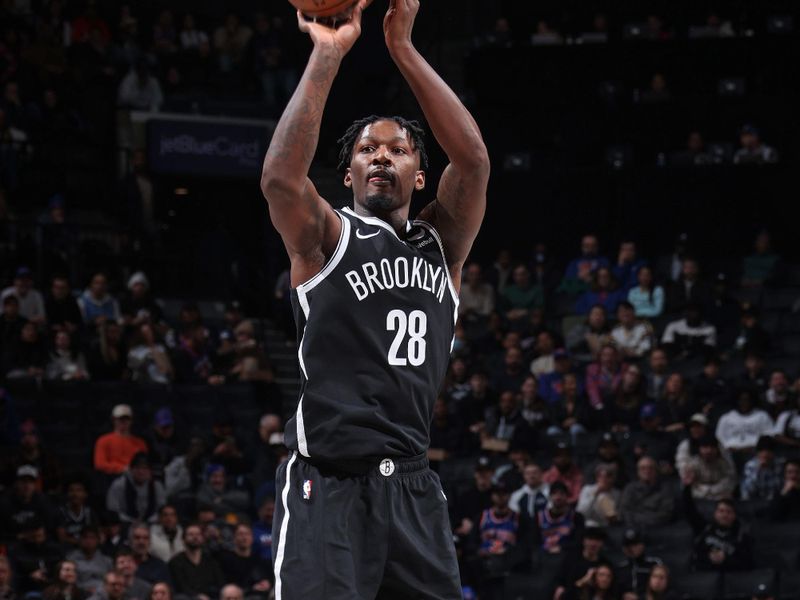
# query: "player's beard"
{"points": [[379, 203]]}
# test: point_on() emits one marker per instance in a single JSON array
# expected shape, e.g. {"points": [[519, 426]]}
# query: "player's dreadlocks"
{"points": [[348, 140]]}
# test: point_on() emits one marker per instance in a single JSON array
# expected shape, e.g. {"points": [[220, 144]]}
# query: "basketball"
{"points": [[322, 8]]}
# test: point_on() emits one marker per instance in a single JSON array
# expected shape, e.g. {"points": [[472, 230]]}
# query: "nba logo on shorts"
{"points": [[307, 489]]}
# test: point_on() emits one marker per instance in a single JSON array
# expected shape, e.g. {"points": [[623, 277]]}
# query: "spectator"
{"points": [[31, 303], [107, 353], [721, 544], [521, 297], [231, 592], [571, 415], [586, 339], [658, 585], [471, 504], [634, 338], [166, 536], [96, 304], [75, 514], [111, 531], [647, 298], [113, 587], [192, 38], [230, 42], [579, 273], [165, 35], [138, 306], [751, 336], [161, 591], [476, 299], [532, 496], [787, 426], [558, 528], [689, 447], [498, 529], [763, 474], [66, 363], [608, 455], [690, 336], [65, 585], [713, 473], [677, 406], [635, 569], [22, 503], [599, 502], [657, 373], [217, 493], [779, 398], [710, 390], [577, 573], [262, 529], [61, 308], [113, 451], [243, 566], [134, 495], [92, 565], [445, 434], [183, 474], [603, 292], [148, 359], [753, 150], [139, 89], [565, 471], [786, 504], [626, 270], [163, 440], [689, 288], [31, 451], [33, 557], [136, 588], [148, 567], [191, 360], [512, 373], [545, 350], [194, 572], [622, 411], [226, 449], [739, 429], [551, 385], [695, 154], [533, 406], [11, 323], [28, 356], [604, 377], [646, 502], [760, 267], [653, 439], [6, 580], [755, 374]]}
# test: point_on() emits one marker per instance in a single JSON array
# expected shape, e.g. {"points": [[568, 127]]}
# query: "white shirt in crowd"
{"points": [[736, 430], [681, 328], [637, 340]]}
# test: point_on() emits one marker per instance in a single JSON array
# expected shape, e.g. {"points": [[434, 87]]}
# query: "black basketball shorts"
{"points": [[382, 534]]}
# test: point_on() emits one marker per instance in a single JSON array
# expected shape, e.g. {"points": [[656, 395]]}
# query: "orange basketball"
{"points": [[322, 8]]}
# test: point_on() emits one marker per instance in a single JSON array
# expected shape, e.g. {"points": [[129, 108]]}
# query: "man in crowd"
{"points": [[113, 451], [149, 568], [786, 504], [566, 471], [166, 536], [635, 568], [739, 430], [23, 503], [136, 588], [31, 303], [113, 587], [578, 566], [633, 337], [557, 528], [194, 572], [243, 566], [532, 496], [91, 564], [762, 478], [646, 502], [135, 495], [713, 473], [690, 336]]}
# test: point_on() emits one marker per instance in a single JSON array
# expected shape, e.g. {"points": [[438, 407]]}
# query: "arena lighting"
{"points": [[181, 191]]}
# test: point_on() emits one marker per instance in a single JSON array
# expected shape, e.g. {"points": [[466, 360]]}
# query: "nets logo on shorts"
{"points": [[307, 489]]}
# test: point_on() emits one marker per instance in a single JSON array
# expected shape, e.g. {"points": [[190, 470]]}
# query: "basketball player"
{"points": [[359, 514]]}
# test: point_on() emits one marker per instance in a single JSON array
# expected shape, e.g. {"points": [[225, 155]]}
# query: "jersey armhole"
{"points": [[336, 257], [430, 228]]}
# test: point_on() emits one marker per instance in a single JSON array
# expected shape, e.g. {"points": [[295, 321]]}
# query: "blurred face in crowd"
{"points": [[25, 488], [529, 389], [608, 357], [589, 245], [29, 335], [645, 278], [122, 425], [473, 274], [458, 368], [483, 479], [745, 403], [114, 585], [160, 591], [231, 592], [631, 378], [696, 430], [562, 460], [627, 252], [592, 547], [532, 474], [141, 474], [268, 425], [522, 277], [267, 510], [779, 382], [544, 343], [597, 318], [37, 536], [216, 480], [605, 478], [791, 473], [138, 290], [243, 538], [753, 363], [762, 244], [140, 541], [193, 537], [646, 470], [88, 542], [659, 579], [76, 494], [439, 409], [68, 573], [23, 285], [168, 518], [626, 316], [709, 452], [633, 550], [608, 451], [603, 578], [125, 564], [603, 279], [508, 402], [695, 142], [711, 370], [500, 499], [674, 384], [558, 501], [750, 140], [62, 341], [724, 514], [59, 288], [511, 340], [570, 385], [690, 269], [658, 361], [513, 358], [98, 286]]}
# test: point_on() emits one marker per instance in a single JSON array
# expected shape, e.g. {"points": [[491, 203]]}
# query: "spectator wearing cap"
{"points": [[111, 533], [31, 302], [135, 495], [113, 451], [721, 544], [61, 307], [763, 591], [138, 305], [633, 337], [690, 336], [585, 340], [149, 568], [690, 288], [23, 503], [243, 566], [761, 266], [66, 363], [604, 377], [604, 292], [607, 454], [566, 471], [217, 492], [166, 536], [647, 298], [195, 573], [634, 570], [762, 477], [532, 496], [753, 150], [92, 565], [148, 359], [471, 504], [739, 429], [33, 557], [558, 527], [31, 451], [713, 473], [599, 502], [646, 502], [580, 565], [579, 272], [75, 514], [96, 304], [163, 440], [689, 447], [786, 503]]}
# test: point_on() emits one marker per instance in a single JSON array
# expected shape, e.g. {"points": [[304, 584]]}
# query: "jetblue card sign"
{"points": [[207, 146]]}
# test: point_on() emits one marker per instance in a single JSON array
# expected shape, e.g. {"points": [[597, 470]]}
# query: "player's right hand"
{"points": [[327, 35]]}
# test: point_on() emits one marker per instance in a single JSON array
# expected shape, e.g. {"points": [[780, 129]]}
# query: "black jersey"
{"points": [[375, 330]]}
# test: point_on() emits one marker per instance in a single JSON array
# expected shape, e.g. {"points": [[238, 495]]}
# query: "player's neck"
{"points": [[396, 218]]}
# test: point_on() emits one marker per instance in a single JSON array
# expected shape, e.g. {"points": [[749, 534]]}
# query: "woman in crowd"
{"points": [[64, 587], [585, 340], [647, 297]]}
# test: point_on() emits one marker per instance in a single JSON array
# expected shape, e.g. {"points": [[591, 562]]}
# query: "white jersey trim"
{"points": [[281, 551], [302, 442], [336, 257], [375, 221], [438, 239]]}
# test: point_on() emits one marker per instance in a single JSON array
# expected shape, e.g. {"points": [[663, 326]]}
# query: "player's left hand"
{"points": [[399, 21]]}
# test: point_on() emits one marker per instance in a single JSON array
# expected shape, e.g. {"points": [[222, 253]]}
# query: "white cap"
{"points": [[138, 277], [122, 410]]}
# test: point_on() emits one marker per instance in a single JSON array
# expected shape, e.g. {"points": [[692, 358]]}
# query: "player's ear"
{"points": [[348, 178], [419, 185]]}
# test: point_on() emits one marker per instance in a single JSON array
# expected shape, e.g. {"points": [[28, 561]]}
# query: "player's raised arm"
{"points": [[307, 223], [459, 207]]}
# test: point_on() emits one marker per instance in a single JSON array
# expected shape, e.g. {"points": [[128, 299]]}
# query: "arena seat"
{"points": [[740, 585], [698, 586], [527, 587]]}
